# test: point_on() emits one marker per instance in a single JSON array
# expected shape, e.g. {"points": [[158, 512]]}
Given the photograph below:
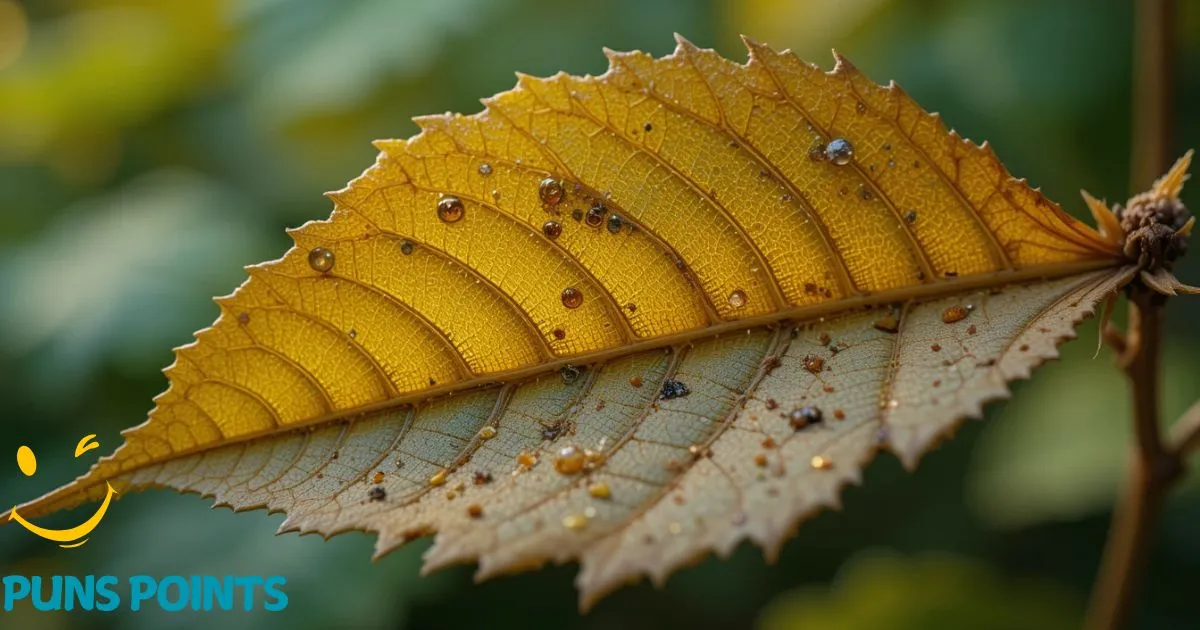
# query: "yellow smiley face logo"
{"points": [[74, 536]]}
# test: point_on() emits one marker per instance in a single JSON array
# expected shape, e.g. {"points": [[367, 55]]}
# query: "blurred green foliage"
{"points": [[149, 149]]}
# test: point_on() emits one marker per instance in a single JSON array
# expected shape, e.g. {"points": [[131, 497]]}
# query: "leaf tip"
{"points": [[1170, 185]]}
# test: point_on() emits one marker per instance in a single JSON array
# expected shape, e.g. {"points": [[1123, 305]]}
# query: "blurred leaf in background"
{"points": [[148, 149]]}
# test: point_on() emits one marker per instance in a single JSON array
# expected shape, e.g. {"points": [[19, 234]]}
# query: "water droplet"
{"points": [[760, 460], [821, 463], [839, 151], [353, 333], [320, 259], [527, 460], [672, 388], [575, 521], [648, 127], [475, 510], [438, 478], [839, 414], [816, 152], [378, 478], [559, 334], [485, 169], [865, 193], [552, 229], [595, 215], [954, 314], [615, 223], [937, 347], [487, 433], [600, 490], [406, 247], [570, 461], [243, 318], [569, 373], [450, 209], [551, 191], [814, 364], [572, 297], [737, 299], [910, 216], [376, 494], [635, 381], [860, 107], [804, 416], [891, 163], [577, 214]]}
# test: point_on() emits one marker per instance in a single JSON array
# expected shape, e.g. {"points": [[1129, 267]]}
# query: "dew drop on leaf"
{"points": [[406, 247], [821, 463], [450, 209], [487, 433], [320, 259], [574, 521], [485, 169], [615, 223], [572, 297], [737, 299], [599, 490], [552, 229], [839, 151], [551, 191], [570, 461]]}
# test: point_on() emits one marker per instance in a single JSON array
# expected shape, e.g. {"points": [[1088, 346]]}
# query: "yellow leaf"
{"points": [[623, 319]]}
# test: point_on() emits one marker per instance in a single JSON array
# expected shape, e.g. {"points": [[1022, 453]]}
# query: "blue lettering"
{"points": [[15, 587], [248, 583], [274, 589], [104, 590], [221, 591], [141, 588], [79, 590], [55, 601], [164, 600]]}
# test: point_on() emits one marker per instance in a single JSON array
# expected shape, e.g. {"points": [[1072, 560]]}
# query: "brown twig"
{"points": [[1153, 468], [1185, 433]]}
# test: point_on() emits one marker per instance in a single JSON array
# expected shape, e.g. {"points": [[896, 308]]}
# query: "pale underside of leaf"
{"points": [[729, 238]]}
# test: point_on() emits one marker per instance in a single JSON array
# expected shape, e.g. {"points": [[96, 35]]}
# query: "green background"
{"points": [[149, 149]]}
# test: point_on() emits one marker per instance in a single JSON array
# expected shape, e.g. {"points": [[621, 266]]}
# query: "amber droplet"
{"points": [[738, 298], [595, 215], [575, 521], [814, 364], [937, 347], [600, 490], [551, 191], [438, 478], [771, 404], [971, 329], [475, 510], [243, 318], [822, 463], [911, 216], [450, 209], [527, 460], [839, 414], [954, 314], [487, 433], [552, 229], [615, 223], [572, 297], [839, 151], [635, 381], [320, 259], [888, 324], [378, 478], [559, 334], [570, 461]]}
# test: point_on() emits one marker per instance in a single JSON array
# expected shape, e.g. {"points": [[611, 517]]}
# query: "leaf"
{"points": [[730, 315]]}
